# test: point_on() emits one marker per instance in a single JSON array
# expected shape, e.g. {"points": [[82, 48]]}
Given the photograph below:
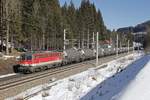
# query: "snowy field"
{"points": [[139, 88], [95, 84]]}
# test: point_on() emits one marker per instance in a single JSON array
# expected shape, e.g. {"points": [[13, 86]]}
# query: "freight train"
{"points": [[34, 62]]}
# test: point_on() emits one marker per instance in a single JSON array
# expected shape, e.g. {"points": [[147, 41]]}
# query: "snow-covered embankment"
{"points": [[93, 84], [139, 88]]}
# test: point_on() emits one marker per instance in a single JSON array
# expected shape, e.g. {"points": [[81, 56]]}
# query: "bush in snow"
{"points": [[52, 79], [94, 78], [45, 93], [77, 85], [45, 90], [70, 86], [72, 80]]}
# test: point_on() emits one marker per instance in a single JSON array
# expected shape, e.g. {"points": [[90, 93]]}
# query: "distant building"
{"points": [[106, 43], [139, 36]]}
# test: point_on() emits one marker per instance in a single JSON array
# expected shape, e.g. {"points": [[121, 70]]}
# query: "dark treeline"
{"points": [[39, 24]]}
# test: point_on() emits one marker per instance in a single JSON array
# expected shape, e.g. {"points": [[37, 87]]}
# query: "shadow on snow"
{"points": [[115, 84]]}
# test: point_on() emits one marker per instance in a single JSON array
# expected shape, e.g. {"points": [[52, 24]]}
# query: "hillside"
{"points": [[39, 24], [138, 28], [143, 27]]}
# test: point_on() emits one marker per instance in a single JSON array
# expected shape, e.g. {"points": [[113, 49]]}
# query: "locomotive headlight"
{"points": [[18, 58]]}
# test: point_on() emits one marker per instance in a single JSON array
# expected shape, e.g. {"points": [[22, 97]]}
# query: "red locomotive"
{"points": [[31, 62]]}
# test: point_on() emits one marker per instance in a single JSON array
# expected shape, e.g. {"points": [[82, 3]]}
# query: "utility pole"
{"points": [[12, 44], [138, 47], [3, 25], [128, 46], [133, 47], [64, 40], [31, 41], [93, 40], [88, 41], [83, 42], [79, 44], [43, 41], [120, 45], [117, 45], [133, 43], [1, 14], [97, 46]]}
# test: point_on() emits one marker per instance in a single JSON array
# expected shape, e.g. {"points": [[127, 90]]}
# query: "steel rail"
{"points": [[31, 77], [22, 80]]}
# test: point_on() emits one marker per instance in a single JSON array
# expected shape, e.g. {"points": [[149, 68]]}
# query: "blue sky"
{"points": [[121, 13]]}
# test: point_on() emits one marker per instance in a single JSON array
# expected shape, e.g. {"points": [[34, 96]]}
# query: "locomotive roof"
{"points": [[38, 52]]}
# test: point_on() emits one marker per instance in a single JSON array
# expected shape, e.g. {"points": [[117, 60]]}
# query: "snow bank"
{"points": [[139, 88], [110, 88], [84, 86], [7, 75], [5, 57]]}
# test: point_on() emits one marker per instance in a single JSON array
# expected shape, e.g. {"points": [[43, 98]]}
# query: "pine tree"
{"points": [[64, 11], [40, 23], [71, 20], [27, 22], [15, 21], [56, 27]]}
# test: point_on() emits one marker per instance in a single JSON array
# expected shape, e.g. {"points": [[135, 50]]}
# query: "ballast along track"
{"points": [[14, 86], [25, 79], [33, 76]]}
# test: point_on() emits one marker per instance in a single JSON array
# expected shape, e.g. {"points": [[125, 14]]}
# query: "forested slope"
{"points": [[38, 24]]}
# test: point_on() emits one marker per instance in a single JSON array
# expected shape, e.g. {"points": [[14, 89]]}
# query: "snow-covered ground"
{"points": [[139, 88], [5, 57], [7, 75], [94, 84]]}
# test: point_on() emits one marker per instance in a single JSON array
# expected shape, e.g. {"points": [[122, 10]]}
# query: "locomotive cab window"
{"points": [[23, 57], [29, 57]]}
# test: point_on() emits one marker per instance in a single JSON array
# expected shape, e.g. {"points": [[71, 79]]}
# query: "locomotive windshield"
{"points": [[29, 57], [26, 57]]}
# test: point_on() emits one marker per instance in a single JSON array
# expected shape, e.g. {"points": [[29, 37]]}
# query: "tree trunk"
{"points": [[7, 29]]}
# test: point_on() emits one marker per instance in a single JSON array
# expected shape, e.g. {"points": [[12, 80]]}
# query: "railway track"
{"points": [[28, 79], [19, 77], [36, 76]]}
